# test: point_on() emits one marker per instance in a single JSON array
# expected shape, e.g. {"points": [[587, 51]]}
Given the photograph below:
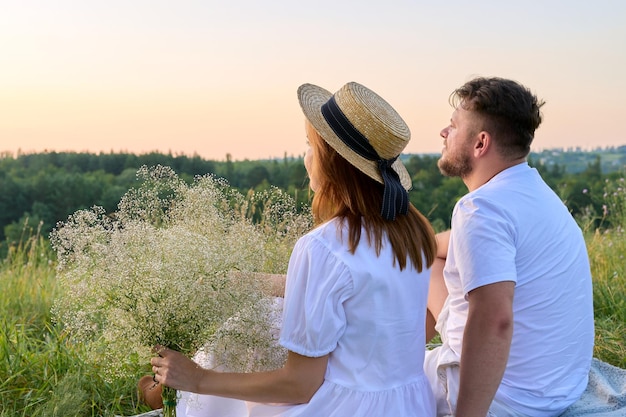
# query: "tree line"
{"points": [[38, 190]]}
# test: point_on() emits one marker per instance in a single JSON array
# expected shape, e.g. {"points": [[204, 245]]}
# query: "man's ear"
{"points": [[482, 144]]}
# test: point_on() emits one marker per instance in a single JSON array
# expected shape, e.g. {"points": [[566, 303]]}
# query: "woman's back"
{"points": [[365, 313]]}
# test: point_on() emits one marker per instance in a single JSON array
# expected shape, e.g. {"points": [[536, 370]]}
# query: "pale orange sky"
{"points": [[212, 77]]}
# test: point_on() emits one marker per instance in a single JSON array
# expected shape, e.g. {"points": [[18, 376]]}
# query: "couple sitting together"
{"points": [[508, 288]]}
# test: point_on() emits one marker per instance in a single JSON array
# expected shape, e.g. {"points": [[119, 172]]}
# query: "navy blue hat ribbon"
{"points": [[395, 197]]}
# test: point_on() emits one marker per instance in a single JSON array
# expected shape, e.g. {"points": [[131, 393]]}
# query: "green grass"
{"points": [[41, 373], [608, 266]]}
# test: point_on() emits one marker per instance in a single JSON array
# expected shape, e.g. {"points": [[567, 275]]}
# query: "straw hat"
{"points": [[376, 121]]}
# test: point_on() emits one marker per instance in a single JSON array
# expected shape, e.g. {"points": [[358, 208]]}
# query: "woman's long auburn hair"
{"points": [[345, 192]]}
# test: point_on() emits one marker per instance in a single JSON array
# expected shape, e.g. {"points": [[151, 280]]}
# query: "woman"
{"points": [[357, 285]]}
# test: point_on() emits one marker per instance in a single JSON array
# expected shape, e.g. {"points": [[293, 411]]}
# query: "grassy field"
{"points": [[606, 251], [41, 373]]}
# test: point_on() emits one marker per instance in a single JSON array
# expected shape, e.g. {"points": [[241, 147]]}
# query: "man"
{"points": [[514, 302]]}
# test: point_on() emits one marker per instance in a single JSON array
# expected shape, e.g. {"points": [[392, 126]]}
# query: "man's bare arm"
{"points": [[486, 345]]}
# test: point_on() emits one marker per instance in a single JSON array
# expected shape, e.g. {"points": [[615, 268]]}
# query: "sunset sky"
{"points": [[216, 77]]}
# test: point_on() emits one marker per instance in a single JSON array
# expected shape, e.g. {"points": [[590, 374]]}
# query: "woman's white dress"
{"points": [[367, 315]]}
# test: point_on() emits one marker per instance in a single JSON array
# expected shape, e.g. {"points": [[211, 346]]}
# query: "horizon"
{"points": [[213, 78], [403, 155]]}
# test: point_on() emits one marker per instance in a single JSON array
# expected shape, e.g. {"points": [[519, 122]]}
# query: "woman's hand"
{"points": [[175, 370]]}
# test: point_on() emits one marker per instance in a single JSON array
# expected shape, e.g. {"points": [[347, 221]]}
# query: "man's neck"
{"points": [[483, 173]]}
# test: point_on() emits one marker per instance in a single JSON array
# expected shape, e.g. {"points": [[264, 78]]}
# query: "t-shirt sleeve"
{"points": [[317, 286], [484, 244]]}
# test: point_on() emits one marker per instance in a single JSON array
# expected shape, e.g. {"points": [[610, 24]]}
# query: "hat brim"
{"points": [[311, 99]]}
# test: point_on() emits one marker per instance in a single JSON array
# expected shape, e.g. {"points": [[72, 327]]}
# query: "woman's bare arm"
{"points": [[295, 383]]}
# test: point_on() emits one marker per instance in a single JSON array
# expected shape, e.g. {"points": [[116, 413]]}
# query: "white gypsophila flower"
{"points": [[248, 340], [175, 265]]}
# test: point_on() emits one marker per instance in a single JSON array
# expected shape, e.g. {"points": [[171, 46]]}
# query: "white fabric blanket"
{"points": [[605, 395]]}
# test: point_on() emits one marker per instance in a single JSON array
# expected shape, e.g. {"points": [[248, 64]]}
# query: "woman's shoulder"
{"points": [[327, 237], [330, 229]]}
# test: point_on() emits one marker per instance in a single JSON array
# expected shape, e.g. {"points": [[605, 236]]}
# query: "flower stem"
{"points": [[169, 402]]}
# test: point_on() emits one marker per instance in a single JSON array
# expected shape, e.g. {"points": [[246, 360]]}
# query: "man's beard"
{"points": [[458, 165]]}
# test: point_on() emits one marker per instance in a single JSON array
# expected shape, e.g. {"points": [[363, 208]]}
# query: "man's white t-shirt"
{"points": [[515, 228]]}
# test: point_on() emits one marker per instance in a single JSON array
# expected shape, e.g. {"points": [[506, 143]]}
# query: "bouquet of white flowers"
{"points": [[171, 267]]}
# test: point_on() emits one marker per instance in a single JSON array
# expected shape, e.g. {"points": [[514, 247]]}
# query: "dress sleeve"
{"points": [[317, 285]]}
